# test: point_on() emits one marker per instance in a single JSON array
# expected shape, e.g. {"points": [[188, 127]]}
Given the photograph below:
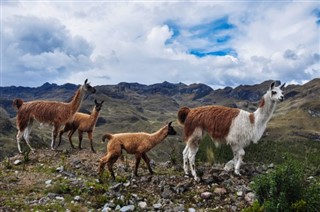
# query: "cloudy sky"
{"points": [[213, 42]]}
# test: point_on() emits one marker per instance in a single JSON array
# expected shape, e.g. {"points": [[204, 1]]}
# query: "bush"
{"points": [[285, 189]]}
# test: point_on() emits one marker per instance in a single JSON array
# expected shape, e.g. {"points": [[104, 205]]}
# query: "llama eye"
{"points": [[273, 92]]}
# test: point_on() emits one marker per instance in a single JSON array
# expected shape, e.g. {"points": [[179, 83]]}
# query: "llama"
{"points": [[83, 123], [134, 143], [231, 126], [53, 113]]}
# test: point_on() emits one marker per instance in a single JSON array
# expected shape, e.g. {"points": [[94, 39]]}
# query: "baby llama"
{"points": [[231, 126], [83, 123], [134, 143], [53, 113]]}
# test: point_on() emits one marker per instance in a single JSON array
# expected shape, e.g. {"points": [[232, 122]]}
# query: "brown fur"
{"points": [[251, 117], [134, 143], [83, 123], [50, 112], [262, 102], [182, 114], [216, 120]]}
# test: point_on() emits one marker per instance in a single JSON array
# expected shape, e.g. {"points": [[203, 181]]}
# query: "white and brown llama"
{"points": [[231, 126], [83, 123], [53, 113], [133, 143]]}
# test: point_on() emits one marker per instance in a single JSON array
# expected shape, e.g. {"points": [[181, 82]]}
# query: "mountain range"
{"points": [[137, 107]]}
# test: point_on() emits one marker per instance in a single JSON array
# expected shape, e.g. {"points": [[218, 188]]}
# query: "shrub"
{"points": [[278, 190], [284, 189]]}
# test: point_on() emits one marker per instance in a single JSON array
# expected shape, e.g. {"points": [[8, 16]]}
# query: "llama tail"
{"points": [[17, 103], [182, 114], [106, 136]]}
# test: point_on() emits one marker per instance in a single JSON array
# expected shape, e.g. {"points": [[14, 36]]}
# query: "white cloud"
{"points": [[110, 42]]}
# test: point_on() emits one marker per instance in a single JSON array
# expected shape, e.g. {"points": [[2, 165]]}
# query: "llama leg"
{"points": [[230, 164], [91, 141], [19, 136], [186, 160], [26, 134], [240, 155], [138, 158], [65, 129], [80, 138], [193, 149], [55, 131], [70, 137], [147, 160]]}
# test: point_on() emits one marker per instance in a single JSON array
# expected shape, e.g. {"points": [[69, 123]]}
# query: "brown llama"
{"points": [[134, 143], [232, 126], [83, 123], [53, 113]]}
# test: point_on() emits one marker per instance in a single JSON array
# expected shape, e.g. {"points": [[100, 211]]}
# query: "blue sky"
{"points": [[217, 43]]}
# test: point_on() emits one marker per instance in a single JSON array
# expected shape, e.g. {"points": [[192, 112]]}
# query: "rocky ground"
{"points": [[60, 181]]}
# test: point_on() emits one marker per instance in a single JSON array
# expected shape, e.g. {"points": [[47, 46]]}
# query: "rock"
{"points": [[60, 198], [240, 193], [127, 208], [220, 191], [116, 187], [60, 169], [126, 184], [271, 166], [77, 198], [191, 210], [17, 162], [157, 206], [48, 182], [166, 194], [206, 195], [142, 205], [250, 197], [179, 208], [52, 195]]}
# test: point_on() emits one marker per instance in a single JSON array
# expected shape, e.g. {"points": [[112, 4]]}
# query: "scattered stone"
{"points": [[157, 206], [220, 191], [77, 198], [206, 195], [271, 166], [60, 198], [17, 162], [142, 205], [166, 194], [126, 184], [48, 182], [127, 208], [52, 195], [179, 208], [250, 197], [60, 169], [116, 187], [191, 210], [240, 193]]}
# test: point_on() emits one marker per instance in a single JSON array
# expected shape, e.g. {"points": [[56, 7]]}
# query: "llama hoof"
{"points": [[197, 179], [237, 172]]}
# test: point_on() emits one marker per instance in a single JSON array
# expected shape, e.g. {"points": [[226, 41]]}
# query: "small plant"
{"points": [[26, 156], [286, 190], [7, 163], [256, 207]]}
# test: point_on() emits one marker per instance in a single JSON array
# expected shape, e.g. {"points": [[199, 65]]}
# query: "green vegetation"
{"points": [[286, 189]]}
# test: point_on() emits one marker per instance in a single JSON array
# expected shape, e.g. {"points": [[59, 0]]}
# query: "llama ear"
{"points": [[102, 102], [282, 86], [95, 101], [86, 81], [272, 85], [170, 123]]}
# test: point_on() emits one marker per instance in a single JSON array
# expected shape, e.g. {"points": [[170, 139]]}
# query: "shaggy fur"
{"points": [[134, 143], [231, 126], [83, 123], [49, 112]]}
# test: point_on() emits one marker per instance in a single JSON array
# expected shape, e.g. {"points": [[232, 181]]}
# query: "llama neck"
{"points": [[158, 136], [94, 115], [265, 110], [77, 100]]}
